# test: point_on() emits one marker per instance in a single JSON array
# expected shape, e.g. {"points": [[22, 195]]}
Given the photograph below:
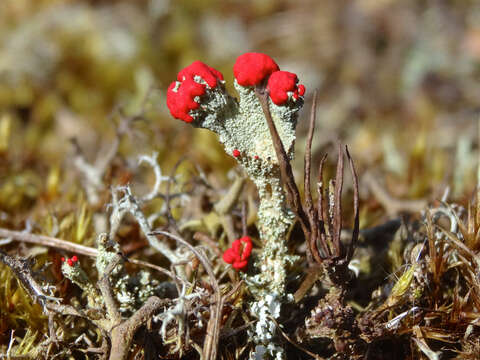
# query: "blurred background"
{"points": [[397, 82]]}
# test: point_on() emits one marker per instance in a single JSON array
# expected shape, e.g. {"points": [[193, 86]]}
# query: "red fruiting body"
{"points": [[282, 82], [236, 153], [197, 68], [301, 89], [237, 256], [182, 101], [74, 258], [70, 262], [63, 259], [251, 68], [256, 157]]}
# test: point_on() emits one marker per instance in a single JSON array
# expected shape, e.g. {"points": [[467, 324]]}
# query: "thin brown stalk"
{"points": [[320, 201], [210, 347], [48, 241], [310, 209], [293, 195], [307, 162], [356, 214], [337, 209], [22, 270], [321, 208]]}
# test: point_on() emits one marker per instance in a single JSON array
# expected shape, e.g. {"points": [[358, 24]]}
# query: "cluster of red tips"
{"points": [[72, 261], [253, 68], [236, 153], [181, 97], [239, 253], [250, 69], [281, 83]]}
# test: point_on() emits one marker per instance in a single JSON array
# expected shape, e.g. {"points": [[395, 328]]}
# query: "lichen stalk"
{"points": [[274, 221]]}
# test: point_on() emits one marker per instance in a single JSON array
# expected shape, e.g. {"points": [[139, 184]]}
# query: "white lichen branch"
{"points": [[129, 204], [159, 178]]}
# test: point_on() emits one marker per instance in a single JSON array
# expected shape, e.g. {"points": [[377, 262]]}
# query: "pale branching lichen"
{"points": [[133, 291], [107, 250], [72, 270], [130, 291]]}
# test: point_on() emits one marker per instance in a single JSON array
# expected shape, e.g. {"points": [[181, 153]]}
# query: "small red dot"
{"points": [[256, 157], [63, 259], [236, 153], [301, 89], [74, 258], [70, 262]]}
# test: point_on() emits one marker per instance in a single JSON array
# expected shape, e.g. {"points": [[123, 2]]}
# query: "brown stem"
{"points": [[293, 195], [310, 209], [320, 210], [356, 222], [122, 335], [337, 215], [48, 241], [21, 269]]}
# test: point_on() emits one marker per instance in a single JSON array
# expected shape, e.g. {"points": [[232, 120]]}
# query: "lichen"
{"points": [[244, 132], [75, 273]]}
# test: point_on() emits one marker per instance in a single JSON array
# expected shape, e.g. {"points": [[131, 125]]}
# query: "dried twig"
{"points": [[22, 271], [310, 209], [228, 201], [70, 247], [129, 204], [48, 241], [210, 346], [122, 335]]}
